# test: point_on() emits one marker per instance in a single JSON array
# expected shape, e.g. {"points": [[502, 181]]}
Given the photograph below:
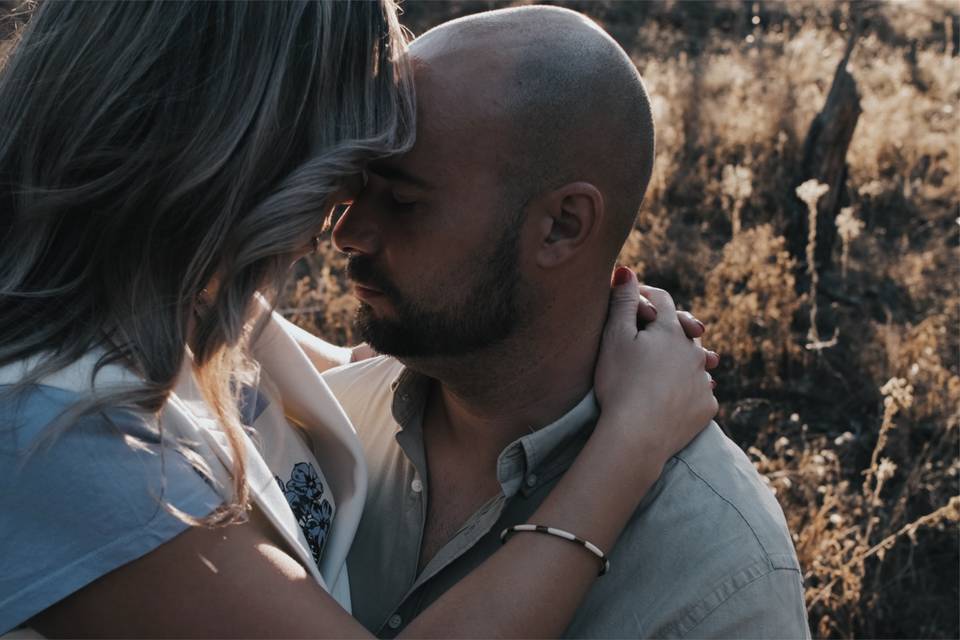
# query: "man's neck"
{"points": [[496, 395]]}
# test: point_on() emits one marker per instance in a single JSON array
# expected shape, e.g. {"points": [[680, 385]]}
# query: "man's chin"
{"points": [[386, 335]]}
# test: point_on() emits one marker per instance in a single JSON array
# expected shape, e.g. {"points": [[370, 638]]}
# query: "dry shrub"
{"points": [[908, 133], [843, 529], [669, 83], [318, 297], [749, 303], [920, 358], [646, 246]]}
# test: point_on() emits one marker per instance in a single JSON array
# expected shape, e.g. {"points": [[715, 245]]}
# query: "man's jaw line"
{"points": [[518, 385], [523, 381]]}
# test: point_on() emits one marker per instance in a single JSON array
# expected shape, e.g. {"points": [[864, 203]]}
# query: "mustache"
{"points": [[361, 269]]}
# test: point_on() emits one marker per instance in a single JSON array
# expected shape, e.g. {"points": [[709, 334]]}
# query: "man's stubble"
{"points": [[482, 310]]}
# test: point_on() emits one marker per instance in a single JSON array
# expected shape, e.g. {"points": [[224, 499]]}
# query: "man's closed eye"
{"points": [[402, 202]]}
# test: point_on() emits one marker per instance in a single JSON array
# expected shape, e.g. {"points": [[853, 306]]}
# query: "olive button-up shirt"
{"points": [[707, 554]]}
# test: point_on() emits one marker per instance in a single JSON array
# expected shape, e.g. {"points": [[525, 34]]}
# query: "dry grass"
{"points": [[857, 435]]}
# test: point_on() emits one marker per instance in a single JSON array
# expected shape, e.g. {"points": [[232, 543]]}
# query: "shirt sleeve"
{"points": [[768, 608], [84, 502]]}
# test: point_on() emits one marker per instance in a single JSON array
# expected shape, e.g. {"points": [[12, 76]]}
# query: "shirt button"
{"points": [[395, 621], [532, 480], [416, 486]]}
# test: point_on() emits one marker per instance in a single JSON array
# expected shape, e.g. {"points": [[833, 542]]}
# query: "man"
{"points": [[482, 259]]}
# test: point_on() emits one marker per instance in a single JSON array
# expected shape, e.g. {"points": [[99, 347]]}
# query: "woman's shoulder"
{"points": [[81, 496], [57, 445], [28, 411], [86, 374], [31, 404]]}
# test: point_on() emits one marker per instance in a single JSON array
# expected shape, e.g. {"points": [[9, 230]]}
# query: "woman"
{"points": [[161, 166]]}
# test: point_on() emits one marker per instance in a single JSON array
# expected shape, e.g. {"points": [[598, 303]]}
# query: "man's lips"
{"points": [[365, 292]]}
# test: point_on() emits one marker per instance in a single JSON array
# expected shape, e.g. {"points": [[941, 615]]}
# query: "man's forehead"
{"points": [[460, 119], [464, 80]]}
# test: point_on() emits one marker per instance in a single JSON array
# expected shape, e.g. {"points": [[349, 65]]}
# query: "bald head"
{"points": [[569, 100]]}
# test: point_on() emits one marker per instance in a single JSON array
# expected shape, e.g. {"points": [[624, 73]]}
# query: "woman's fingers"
{"points": [[666, 309], [691, 326], [659, 372], [646, 312], [713, 360], [623, 302]]}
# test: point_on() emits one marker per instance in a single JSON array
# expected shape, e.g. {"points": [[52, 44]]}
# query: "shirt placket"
{"points": [[408, 412], [479, 525], [510, 471], [514, 480]]}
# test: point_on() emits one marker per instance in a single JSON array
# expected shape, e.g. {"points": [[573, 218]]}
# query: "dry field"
{"points": [[854, 423]]}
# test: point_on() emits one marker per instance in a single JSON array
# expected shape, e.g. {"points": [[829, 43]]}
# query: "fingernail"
{"points": [[650, 306], [622, 276], [713, 384], [702, 326]]}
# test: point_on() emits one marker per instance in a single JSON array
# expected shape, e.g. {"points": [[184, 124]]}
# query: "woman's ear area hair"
{"points": [[568, 219]]}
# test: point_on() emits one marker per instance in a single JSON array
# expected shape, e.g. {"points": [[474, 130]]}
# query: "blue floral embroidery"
{"points": [[314, 513], [305, 482]]}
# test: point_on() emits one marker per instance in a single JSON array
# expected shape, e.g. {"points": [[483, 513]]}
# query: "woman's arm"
{"points": [[240, 580]]}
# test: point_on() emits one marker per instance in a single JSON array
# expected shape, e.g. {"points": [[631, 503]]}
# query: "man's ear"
{"points": [[567, 218]]}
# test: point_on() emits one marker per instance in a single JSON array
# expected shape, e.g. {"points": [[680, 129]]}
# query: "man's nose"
{"points": [[356, 230]]}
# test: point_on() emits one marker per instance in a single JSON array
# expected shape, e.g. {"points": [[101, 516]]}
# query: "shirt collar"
{"points": [[409, 397], [526, 463]]}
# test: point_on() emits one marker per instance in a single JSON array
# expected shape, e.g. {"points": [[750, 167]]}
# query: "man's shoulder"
{"points": [[711, 492], [715, 476], [709, 533], [708, 527]]}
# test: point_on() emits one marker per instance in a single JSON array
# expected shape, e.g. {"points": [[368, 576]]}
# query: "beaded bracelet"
{"points": [[560, 533]]}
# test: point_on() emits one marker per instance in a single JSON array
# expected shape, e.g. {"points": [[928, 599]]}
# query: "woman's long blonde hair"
{"points": [[149, 147]]}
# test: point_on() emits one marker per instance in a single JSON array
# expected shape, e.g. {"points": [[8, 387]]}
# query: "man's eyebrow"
{"points": [[389, 171]]}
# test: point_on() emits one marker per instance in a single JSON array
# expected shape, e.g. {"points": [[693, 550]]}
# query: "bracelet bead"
{"points": [[560, 533]]}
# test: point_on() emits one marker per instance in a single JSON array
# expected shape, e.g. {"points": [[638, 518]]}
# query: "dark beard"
{"points": [[486, 314]]}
